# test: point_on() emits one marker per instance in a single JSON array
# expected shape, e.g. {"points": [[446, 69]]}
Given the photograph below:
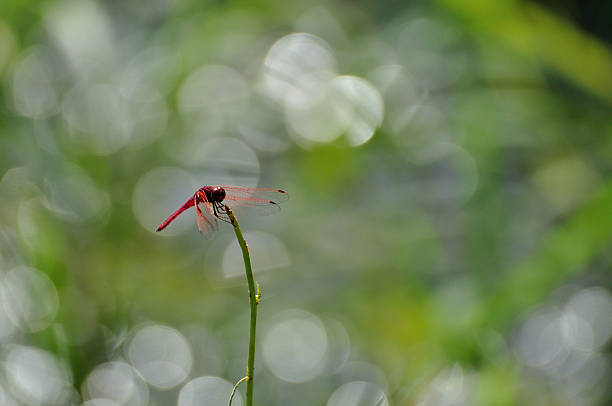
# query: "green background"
{"points": [[447, 240]]}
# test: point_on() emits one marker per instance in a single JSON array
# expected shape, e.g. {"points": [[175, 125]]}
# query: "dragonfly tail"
{"points": [[189, 203]]}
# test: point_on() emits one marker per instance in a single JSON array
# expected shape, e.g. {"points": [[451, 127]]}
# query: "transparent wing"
{"points": [[258, 195], [207, 223], [243, 206], [254, 200]]}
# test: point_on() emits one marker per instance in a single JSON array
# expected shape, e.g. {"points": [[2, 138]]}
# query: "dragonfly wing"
{"points": [[257, 200], [251, 205], [207, 223], [259, 194]]}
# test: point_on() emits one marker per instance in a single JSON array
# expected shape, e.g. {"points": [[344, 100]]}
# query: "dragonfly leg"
{"points": [[221, 212]]}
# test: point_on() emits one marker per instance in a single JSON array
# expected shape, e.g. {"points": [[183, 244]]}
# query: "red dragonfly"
{"points": [[210, 201]]}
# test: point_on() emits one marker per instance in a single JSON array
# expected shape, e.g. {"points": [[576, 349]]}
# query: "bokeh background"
{"points": [[448, 236]]}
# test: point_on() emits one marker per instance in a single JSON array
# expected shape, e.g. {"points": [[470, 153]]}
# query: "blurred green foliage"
{"points": [[448, 234]]}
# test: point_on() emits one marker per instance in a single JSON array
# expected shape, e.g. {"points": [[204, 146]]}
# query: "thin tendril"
{"points": [[246, 378]]}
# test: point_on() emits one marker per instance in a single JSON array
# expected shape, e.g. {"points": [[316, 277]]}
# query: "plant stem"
{"points": [[254, 298], [246, 378]]}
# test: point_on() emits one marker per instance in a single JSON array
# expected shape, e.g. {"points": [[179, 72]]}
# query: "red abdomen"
{"points": [[189, 203]]}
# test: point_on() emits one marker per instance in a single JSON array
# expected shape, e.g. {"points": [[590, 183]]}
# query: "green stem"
{"points": [[254, 298]]}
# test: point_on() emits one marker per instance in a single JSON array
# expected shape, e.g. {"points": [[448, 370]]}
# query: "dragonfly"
{"points": [[210, 204]]}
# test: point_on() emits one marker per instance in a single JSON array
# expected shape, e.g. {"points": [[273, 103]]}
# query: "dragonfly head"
{"points": [[217, 194]]}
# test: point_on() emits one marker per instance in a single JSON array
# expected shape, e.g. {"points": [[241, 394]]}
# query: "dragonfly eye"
{"points": [[218, 194]]}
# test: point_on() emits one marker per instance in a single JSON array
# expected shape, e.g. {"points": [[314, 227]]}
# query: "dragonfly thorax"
{"points": [[214, 194]]}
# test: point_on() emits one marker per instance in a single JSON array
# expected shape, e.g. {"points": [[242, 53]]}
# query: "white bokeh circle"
{"points": [[267, 253], [158, 193], [37, 377], [29, 298], [161, 355], [208, 391], [295, 348], [117, 381], [358, 393]]}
